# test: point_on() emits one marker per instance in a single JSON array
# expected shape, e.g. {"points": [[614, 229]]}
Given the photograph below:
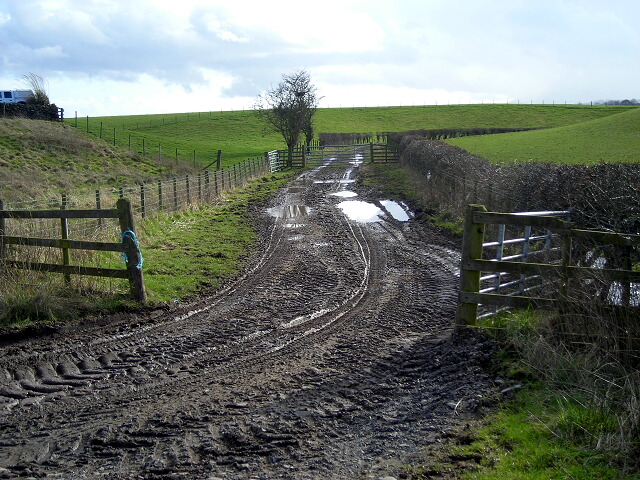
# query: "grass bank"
{"points": [[39, 159]]}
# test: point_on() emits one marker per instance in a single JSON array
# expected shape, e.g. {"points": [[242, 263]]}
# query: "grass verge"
{"points": [[569, 416]]}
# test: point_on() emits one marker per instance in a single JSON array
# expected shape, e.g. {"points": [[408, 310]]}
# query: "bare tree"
{"points": [[36, 83], [289, 108]]}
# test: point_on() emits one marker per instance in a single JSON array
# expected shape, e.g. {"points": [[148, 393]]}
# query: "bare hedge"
{"points": [[31, 111], [605, 196]]}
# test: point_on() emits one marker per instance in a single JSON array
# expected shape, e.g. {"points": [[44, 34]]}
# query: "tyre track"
{"points": [[227, 357]]}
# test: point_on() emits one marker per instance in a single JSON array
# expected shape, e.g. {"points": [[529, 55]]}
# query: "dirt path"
{"points": [[331, 357]]}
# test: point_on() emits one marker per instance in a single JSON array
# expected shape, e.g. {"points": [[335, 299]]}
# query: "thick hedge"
{"points": [[32, 111]]}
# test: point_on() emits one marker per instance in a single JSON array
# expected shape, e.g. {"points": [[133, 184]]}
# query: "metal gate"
{"points": [[337, 155]]}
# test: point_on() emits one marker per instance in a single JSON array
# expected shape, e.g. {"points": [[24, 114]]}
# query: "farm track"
{"points": [[331, 357]]}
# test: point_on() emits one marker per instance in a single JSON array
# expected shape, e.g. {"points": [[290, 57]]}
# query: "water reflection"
{"points": [[289, 211], [345, 194], [360, 211], [395, 210]]}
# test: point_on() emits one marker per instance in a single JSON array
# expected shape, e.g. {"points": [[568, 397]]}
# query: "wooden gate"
{"points": [[128, 246]]}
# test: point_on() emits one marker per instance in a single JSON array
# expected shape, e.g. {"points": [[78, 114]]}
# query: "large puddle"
{"points": [[359, 211], [366, 212]]}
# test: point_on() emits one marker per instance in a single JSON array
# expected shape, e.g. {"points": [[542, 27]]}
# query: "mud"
{"points": [[331, 357]]}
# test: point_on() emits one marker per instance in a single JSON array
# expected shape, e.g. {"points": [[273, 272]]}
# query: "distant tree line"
{"points": [[633, 101]]}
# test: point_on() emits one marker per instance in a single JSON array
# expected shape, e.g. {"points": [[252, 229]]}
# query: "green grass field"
{"points": [[241, 135], [614, 138]]}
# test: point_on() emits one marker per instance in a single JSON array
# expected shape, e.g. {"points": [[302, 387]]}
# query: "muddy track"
{"points": [[330, 357]]}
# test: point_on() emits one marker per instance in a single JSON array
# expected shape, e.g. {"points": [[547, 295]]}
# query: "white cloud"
{"points": [[108, 56]]}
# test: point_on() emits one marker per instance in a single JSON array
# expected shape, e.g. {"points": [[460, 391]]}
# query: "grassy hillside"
{"points": [[241, 135], [39, 159], [615, 138], [398, 119]]}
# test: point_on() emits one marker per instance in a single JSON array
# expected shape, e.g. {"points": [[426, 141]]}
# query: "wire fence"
{"points": [[150, 199]]}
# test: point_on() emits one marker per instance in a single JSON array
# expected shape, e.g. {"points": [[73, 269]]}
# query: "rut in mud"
{"points": [[331, 357]]}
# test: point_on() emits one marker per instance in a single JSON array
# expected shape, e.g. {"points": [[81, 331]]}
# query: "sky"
{"points": [[116, 57]]}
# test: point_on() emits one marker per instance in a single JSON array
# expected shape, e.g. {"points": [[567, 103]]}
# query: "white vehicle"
{"points": [[15, 96]]}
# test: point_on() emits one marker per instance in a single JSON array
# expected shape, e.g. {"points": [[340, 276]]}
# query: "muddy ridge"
{"points": [[331, 357]]}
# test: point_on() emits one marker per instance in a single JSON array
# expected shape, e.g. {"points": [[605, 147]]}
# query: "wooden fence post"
{"points": [[132, 249], [160, 195], [143, 201], [64, 231], [219, 160], [3, 226], [473, 237], [99, 206], [175, 193], [188, 187]]}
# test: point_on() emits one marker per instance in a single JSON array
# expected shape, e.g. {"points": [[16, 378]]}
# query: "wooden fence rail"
{"points": [[129, 245], [473, 263]]}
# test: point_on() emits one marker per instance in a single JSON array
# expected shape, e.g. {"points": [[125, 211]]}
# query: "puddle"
{"points": [[360, 211], [343, 181], [396, 210], [369, 212], [289, 211], [345, 194]]}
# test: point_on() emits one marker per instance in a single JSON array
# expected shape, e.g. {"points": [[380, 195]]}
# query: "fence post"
{"points": [[371, 152], [3, 226], [188, 186], [99, 206], [64, 231], [200, 187], [132, 250], [160, 195], [473, 237], [143, 202], [175, 193]]}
